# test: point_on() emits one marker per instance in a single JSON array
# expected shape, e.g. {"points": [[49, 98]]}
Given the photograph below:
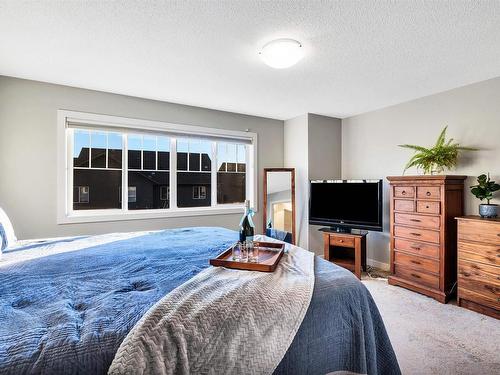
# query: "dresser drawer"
{"points": [[428, 192], [404, 192], [427, 207], [480, 272], [479, 231], [478, 294], [432, 222], [415, 262], [418, 248], [341, 241], [404, 205], [476, 252], [416, 234], [417, 277]]}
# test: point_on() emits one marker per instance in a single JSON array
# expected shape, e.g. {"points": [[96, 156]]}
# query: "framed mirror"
{"points": [[279, 204]]}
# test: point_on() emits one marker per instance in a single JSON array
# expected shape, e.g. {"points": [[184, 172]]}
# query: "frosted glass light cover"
{"points": [[282, 53]]}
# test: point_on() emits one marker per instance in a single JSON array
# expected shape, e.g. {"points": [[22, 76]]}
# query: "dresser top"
{"points": [[479, 218], [426, 178]]}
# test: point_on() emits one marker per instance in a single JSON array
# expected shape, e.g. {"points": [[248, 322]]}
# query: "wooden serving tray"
{"points": [[270, 254]]}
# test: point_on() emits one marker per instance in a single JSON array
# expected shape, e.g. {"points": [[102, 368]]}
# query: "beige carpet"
{"points": [[431, 338]]}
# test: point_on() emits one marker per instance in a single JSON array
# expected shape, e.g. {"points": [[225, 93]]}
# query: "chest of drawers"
{"points": [[424, 232], [479, 264]]}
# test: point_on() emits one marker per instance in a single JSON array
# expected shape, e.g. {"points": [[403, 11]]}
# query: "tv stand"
{"points": [[347, 250], [339, 230]]}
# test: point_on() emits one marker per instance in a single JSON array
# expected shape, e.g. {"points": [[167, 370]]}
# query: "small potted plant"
{"points": [[484, 190], [434, 160]]}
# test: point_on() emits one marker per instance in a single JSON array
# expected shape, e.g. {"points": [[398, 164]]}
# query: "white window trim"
{"points": [[64, 179]]}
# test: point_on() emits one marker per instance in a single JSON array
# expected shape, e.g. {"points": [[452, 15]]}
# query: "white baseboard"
{"points": [[380, 265]]}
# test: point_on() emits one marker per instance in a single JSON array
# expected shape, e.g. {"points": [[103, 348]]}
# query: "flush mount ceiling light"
{"points": [[282, 53]]}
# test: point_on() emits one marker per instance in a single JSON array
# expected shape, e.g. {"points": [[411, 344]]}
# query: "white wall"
{"points": [[369, 141], [28, 152], [296, 156], [313, 147]]}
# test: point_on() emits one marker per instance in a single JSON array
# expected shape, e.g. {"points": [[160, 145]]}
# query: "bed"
{"points": [[67, 304]]}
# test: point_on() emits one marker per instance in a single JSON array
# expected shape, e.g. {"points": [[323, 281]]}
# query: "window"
{"points": [[132, 194], [231, 173], [164, 193], [97, 166], [194, 166], [199, 192], [148, 170], [81, 194], [141, 169]]}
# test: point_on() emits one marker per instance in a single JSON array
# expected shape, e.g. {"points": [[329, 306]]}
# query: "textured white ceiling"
{"points": [[360, 55]]}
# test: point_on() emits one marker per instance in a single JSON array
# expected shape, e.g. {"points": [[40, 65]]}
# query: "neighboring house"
{"points": [[100, 187]]}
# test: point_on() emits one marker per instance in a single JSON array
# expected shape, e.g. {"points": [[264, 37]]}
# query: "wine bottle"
{"points": [[247, 228]]}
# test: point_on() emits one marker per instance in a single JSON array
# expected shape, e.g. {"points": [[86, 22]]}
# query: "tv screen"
{"points": [[352, 204]]}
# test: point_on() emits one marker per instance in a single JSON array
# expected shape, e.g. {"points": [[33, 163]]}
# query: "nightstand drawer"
{"points": [[341, 241], [404, 205], [415, 262], [422, 221], [427, 207], [416, 234], [404, 191], [428, 192], [417, 277]]}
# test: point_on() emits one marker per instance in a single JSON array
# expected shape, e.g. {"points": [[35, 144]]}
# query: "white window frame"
{"points": [[65, 212]]}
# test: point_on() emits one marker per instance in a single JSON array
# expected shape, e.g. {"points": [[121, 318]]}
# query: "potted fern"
{"points": [[484, 190], [443, 155]]}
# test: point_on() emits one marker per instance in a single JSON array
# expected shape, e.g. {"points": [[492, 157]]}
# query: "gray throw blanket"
{"points": [[222, 321]]}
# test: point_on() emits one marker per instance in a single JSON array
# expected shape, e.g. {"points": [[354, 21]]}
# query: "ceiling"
{"points": [[360, 55]]}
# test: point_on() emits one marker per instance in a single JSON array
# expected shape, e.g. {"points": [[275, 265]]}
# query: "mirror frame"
{"points": [[292, 175]]}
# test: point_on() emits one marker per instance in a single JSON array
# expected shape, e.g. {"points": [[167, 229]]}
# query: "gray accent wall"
{"points": [[28, 114], [369, 142]]}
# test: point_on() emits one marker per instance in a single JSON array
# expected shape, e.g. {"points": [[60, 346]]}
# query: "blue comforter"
{"points": [[68, 313]]}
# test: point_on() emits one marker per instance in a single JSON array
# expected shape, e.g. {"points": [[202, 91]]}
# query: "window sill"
{"points": [[118, 215]]}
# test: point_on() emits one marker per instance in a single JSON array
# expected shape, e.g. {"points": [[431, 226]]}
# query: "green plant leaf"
{"points": [[416, 148]]}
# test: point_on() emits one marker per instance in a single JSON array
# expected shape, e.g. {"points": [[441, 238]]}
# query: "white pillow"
{"points": [[8, 229]]}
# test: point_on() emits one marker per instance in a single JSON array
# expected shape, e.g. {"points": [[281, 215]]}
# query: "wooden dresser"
{"points": [[479, 264], [423, 233]]}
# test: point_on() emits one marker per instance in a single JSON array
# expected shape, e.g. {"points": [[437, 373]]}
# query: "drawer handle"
{"points": [[415, 234], [341, 241], [415, 220], [403, 192], [418, 248], [428, 193], [415, 261], [415, 275], [426, 206], [489, 287]]}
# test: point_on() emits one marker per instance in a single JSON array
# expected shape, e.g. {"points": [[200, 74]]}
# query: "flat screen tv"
{"points": [[346, 204]]}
